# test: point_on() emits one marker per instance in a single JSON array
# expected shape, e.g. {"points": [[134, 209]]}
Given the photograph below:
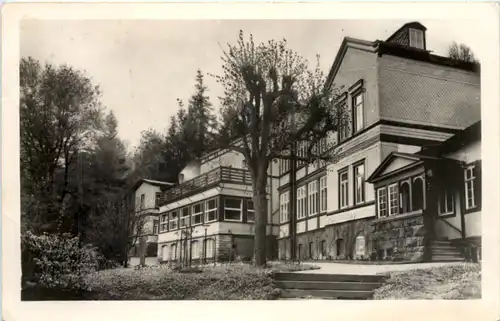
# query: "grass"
{"points": [[451, 282], [222, 282]]}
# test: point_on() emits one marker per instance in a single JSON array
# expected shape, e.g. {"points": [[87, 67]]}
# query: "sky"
{"points": [[143, 66]]}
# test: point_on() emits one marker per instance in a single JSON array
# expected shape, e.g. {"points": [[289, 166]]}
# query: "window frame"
{"points": [[312, 198], [323, 194], [301, 202], [200, 214], [285, 207], [344, 131], [379, 203], [208, 210], [233, 209], [355, 111], [172, 220], [355, 183], [164, 223], [345, 189], [250, 210], [444, 196], [184, 218], [472, 181], [389, 200], [413, 38], [142, 201]]}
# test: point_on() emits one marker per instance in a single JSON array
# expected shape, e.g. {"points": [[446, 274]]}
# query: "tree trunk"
{"points": [[142, 250], [260, 205]]}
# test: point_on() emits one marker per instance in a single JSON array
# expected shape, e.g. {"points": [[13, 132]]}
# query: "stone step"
{"points": [[447, 259], [327, 294], [288, 276], [442, 242], [322, 285]]}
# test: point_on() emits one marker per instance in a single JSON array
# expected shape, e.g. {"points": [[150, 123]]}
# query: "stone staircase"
{"points": [[327, 286], [445, 251]]}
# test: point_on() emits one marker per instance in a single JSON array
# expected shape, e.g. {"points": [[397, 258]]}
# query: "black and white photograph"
{"points": [[251, 159]]}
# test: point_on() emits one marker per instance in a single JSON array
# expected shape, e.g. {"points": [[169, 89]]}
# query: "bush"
{"points": [[57, 261]]}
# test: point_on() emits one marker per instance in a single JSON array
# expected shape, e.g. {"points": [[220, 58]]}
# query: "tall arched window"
{"points": [[340, 247], [164, 252], [417, 193], [173, 252], [404, 195], [360, 245]]}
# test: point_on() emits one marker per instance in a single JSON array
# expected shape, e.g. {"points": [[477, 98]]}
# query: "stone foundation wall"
{"points": [[399, 239], [339, 242]]}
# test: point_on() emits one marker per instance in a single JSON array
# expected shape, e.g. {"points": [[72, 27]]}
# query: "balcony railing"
{"points": [[204, 181]]}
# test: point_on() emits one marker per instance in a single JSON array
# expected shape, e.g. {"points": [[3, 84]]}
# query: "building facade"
{"points": [[405, 108], [400, 97], [146, 193], [209, 216]]}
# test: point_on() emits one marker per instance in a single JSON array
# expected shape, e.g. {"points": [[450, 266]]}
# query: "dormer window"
{"points": [[417, 38], [181, 178]]}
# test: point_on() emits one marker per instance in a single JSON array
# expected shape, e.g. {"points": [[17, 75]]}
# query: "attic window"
{"points": [[181, 178], [416, 38]]}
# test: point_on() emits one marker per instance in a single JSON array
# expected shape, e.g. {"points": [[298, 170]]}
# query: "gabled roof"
{"points": [[394, 155], [152, 182]]}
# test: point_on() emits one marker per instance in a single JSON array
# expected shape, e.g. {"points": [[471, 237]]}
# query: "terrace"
{"points": [[203, 182]]}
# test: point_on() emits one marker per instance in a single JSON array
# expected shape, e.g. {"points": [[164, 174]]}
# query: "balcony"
{"points": [[203, 182]]}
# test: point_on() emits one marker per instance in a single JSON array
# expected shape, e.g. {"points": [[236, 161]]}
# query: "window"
{"points": [[156, 224], [343, 122], [360, 245], [470, 187], [343, 189], [300, 251], [404, 197], [284, 207], [143, 200], [173, 252], [302, 152], [417, 193], [157, 200], [382, 202], [250, 211], [416, 38], [181, 178], [174, 217], [357, 110], [323, 195], [323, 249], [244, 163], [210, 248], [184, 217], [446, 201], [164, 223], [301, 202], [359, 184], [313, 198], [197, 214], [284, 166], [393, 199], [232, 209], [311, 250], [211, 210], [195, 250]]}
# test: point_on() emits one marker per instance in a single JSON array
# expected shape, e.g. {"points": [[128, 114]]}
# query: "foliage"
{"points": [[272, 99], [461, 52], [60, 116], [57, 261], [446, 282]]}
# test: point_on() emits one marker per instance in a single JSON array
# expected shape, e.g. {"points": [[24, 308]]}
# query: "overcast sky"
{"points": [[143, 66]]}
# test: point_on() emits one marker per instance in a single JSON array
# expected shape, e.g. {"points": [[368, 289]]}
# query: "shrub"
{"points": [[57, 261]]}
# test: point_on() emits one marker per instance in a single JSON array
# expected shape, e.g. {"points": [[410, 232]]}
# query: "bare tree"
{"points": [[461, 52], [271, 101]]}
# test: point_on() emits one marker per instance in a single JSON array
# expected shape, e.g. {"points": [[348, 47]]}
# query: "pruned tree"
{"points": [[461, 52], [271, 101]]}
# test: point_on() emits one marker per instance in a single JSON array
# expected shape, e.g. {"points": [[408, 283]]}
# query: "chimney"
{"points": [[411, 34]]}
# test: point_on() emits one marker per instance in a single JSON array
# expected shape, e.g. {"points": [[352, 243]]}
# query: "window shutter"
{"points": [[477, 184]]}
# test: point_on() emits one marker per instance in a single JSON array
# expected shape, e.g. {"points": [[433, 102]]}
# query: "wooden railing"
{"points": [[215, 176]]}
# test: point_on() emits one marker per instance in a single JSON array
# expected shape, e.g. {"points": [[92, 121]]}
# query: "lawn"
{"points": [[223, 282], [451, 282]]}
